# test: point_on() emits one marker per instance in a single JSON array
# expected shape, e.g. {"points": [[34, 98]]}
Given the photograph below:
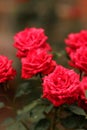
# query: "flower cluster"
{"points": [[60, 85], [33, 50], [76, 47], [77, 50]]}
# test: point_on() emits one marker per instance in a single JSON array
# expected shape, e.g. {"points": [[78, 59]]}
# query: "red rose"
{"points": [[30, 38], [61, 86], [75, 41], [6, 70], [37, 61], [79, 59], [82, 102]]}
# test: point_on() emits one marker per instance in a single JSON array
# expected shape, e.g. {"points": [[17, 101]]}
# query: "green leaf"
{"points": [[48, 108], [16, 126], [29, 107], [73, 121], [60, 54], [35, 111], [23, 89], [77, 110], [42, 124], [56, 55], [2, 105], [33, 115]]}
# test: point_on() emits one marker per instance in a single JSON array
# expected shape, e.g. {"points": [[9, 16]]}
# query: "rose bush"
{"points": [[64, 88], [61, 86], [30, 38], [36, 62], [6, 70]]}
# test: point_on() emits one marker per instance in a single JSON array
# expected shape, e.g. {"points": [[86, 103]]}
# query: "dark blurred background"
{"points": [[57, 17]]}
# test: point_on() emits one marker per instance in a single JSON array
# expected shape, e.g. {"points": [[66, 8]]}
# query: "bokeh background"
{"points": [[57, 17]]}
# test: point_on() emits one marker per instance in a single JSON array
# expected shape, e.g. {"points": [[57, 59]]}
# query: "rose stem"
{"points": [[41, 77], [81, 74], [53, 124]]}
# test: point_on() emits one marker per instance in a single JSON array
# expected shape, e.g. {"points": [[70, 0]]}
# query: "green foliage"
{"points": [[35, 111], [38, 115], [16, 126], [33, 114], [58, 55], [42, 124], [22, 89], [73, 121], [77, 110]]}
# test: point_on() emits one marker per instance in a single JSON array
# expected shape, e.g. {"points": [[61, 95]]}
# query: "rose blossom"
{"points": [[82, 102], [30, 38], [37, 61], [61, 86], [79, 59], [6, 70], [75, 41]]}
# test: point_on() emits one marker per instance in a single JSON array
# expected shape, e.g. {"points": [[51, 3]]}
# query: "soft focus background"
{"points": [[57, 17]]}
